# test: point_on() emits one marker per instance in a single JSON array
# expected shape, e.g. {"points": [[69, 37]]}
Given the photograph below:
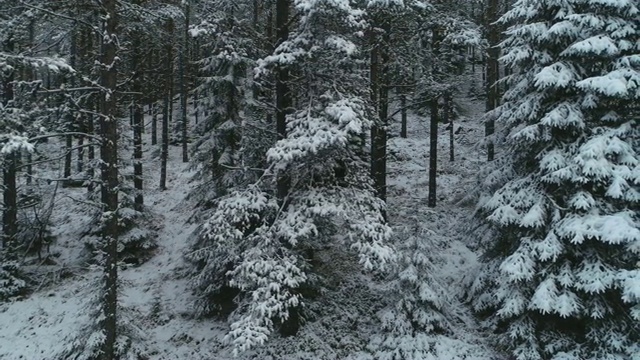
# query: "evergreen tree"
{"points": [[259, 238], [562, 281]]}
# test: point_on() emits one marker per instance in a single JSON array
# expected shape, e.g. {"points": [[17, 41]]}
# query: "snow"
{"points": [[158, 294]]}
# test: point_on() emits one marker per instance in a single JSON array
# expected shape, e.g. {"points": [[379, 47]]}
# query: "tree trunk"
{"points": [[137, 120], [283, 93], [184, 71], [10, 194], [433, 153], [68, 154], [154, 124], [379, 97], [166, 111], [10, 214], [109, 177], [449, 118], [80, 163], [403, 116], [492, 74], [91, 153]]}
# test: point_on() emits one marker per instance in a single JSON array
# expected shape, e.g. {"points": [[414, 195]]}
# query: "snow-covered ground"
{"points": [[341, 319]]}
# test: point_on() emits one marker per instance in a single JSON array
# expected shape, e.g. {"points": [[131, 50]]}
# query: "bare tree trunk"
{"points": [[138, 120], [448, 118], [403, 116], [91, 153], [433, 152], [154, 124], [10, 194], [67, 157], [80, 163], [10, 214], [492, 73], [283, 93], [184, 71], [166, 115], [379, 96], [109, 177]]}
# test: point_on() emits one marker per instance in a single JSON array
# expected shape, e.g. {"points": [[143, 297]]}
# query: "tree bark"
{"points": [[10, 214], [137, 121], [184, 71], [283, 93], [433, 152], [10, 194], [80, 163], [493, 53], [403, 116], [166, 113], [379, 97], [109, 176], [154, 124]]}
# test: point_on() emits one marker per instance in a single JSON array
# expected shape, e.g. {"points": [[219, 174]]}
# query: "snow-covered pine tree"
{"points": [[257, 244], [563, 277]]}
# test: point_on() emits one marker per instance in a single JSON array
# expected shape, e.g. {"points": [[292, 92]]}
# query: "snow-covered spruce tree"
{"points": [[21, 112], [219, 151], [563, 274], [255, 241]]}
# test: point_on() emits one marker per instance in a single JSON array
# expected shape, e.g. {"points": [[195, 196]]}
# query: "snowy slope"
{"points": [[340, 320]]}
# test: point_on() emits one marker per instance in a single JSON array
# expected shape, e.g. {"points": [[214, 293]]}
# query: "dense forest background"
{"points": [[320, 179]]}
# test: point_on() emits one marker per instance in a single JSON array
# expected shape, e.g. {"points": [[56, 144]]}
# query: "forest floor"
{"points": [[340, 321]]}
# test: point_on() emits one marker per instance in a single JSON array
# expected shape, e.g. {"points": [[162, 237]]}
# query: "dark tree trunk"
{"points": [[154, 124], [91, 153], [379, 96], [168, 108], [109, 177], [449, 118], [138, 121], [184, 71], [492, 73], [10, 214], [283, 93], [80, 163], [433, 153], [403, 116], [68, 154], [10, 194]]}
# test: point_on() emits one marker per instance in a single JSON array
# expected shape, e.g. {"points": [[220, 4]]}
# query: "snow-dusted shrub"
{"points": [[562, 278], [12, 282]]}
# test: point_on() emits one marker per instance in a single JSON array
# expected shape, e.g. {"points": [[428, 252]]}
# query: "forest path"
{"points": [[442, 229]]}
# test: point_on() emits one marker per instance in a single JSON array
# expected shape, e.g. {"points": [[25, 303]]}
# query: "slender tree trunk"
{"points": [[73, 52], [379, 97], [68, 154], [137, 108], [184, 71], [168, 108], [80, 163], [403, 116], [433, 153], [91, 153], [283, 93], [10, 214], [10, 194], [109, 176], [154, 124], [492, 74]]}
